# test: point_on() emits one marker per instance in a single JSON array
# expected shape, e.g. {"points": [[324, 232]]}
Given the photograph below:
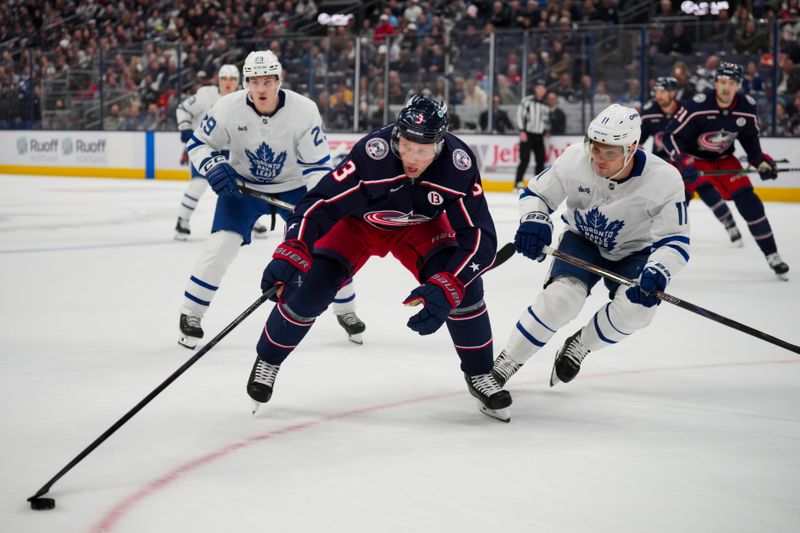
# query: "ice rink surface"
{"points": [[687, 426]]}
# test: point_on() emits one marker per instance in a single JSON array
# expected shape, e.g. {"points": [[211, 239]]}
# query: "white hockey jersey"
{"points": [[280, 152], [191, 111], [646, 211]]}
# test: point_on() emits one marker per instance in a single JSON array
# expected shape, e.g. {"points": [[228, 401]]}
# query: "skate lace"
{"points": [[192, 321], [576, 351], [505, 366], [350, 318], [485, 384], [265, 373]]}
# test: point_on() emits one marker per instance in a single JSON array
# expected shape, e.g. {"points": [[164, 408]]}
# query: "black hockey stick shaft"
{"points": [[683, 304], [503, 254], [139, 406], [740, 171]]}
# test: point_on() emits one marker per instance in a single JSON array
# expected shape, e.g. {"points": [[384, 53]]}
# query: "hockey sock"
{"points": [[472, 337], [345, 299], [281, 334], [713, 199], [195, 189], [218, 253], [752, 209], [615, 321]]}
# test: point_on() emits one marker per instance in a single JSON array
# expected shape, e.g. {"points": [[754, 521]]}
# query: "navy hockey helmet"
{"points": [[423, 121], [667, 83], [733, 71]]}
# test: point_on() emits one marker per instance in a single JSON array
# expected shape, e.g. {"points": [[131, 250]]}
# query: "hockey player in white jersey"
{"points": [[190, 114], [271, 140], [625, 212]]}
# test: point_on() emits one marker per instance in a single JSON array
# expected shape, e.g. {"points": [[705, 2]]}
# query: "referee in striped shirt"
{"points": [[533, 121]]}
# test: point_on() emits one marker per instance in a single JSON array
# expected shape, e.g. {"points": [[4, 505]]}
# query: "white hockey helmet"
{"points": [[616, 125], [261, 63], [228, 71]]}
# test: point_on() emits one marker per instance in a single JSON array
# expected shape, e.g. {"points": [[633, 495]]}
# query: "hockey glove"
{"points": [[654, 278], [186, 135], [442, 293], [767, 169], [221, 176], [687, 169], [534, 233], [290, 261]]}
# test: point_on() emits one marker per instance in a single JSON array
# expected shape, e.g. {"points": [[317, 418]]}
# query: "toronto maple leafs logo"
{"points": [[597, 229], [264, 164]]}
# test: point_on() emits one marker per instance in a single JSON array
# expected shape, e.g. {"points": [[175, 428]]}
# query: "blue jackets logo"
{"points": [[265, 166], [597, 229]]}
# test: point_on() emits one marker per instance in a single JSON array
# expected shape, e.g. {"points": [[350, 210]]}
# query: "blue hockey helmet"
{"points": [[667, 83], [730, 70], [423, 121]]}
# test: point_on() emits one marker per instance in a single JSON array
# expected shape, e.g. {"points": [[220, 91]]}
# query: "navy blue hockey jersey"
{"points": [[654, 120], [370, 184], [703, 130]]}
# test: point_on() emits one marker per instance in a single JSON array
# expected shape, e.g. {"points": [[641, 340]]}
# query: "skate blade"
{"points": [[188, 342], [255, 406], [738, 243], [181, 237], [783, 277], [503, 415], [357, 339], [554, 377]]}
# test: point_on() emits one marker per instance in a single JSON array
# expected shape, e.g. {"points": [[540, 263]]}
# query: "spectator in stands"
{"points": [[601, 97], [501, 123], [412, 11], [534, 68], [154, 119], [112, 121], [788, 82], [782, 122], [558, 119], [565, 88], [793, 111], [474, 96], [609, 12], [131, 121], [680, 71], [665, 10], [749, 40], [457, 91], [505, 92], [675, 41], [753, 81], [501, 15], [383, 30], [60, 119]]}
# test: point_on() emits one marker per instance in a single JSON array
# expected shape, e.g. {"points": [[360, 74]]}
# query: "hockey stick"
{"points": [[39, 503], [503, 254], [741, 171], [673, 300]]}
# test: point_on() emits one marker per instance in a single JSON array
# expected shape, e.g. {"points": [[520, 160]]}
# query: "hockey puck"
{"points": [[42, 504]]}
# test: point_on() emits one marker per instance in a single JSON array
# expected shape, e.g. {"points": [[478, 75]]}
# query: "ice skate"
{"points": [[780, 268], [182, 230], [260, 231], [504, 367], [493, 401], [353, 326], [261, 382], [735, 236], [568, 360], [191, 332]]}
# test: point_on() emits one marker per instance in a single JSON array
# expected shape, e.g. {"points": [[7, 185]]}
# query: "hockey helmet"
{"points": [[666, 83], [616, 125], [730, 70], [261, 63], [228, 71], [422, 120]]}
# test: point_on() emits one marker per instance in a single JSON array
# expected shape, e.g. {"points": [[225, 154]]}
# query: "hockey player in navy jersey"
{"points": [[270, 139], [625, 212], [700, 138], [656, 114], [190, 114], [410, 189]]}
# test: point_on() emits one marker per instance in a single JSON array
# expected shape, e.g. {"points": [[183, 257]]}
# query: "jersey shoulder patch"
{"points": [[699, 98], [377, 148], [750, 99], [461, 159]]}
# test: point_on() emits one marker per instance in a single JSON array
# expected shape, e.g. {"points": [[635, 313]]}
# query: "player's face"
{"points": [[726, 90], [416, 157], [664, 97], [608, 159], [264, 92], [227, 85]]}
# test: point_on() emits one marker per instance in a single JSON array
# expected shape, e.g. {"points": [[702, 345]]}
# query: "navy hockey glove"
{"points": [[186, 135], [767, 169], [534, 233], [221, 176], [442, 293], [654, 278], [290, 261], [688, 170]]}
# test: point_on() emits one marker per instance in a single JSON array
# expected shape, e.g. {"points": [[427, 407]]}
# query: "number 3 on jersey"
{"points": [[342, 172]]}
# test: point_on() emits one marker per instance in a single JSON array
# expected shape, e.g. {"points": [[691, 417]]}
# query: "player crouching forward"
{"points": [[410, 189], [625, 212]]}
